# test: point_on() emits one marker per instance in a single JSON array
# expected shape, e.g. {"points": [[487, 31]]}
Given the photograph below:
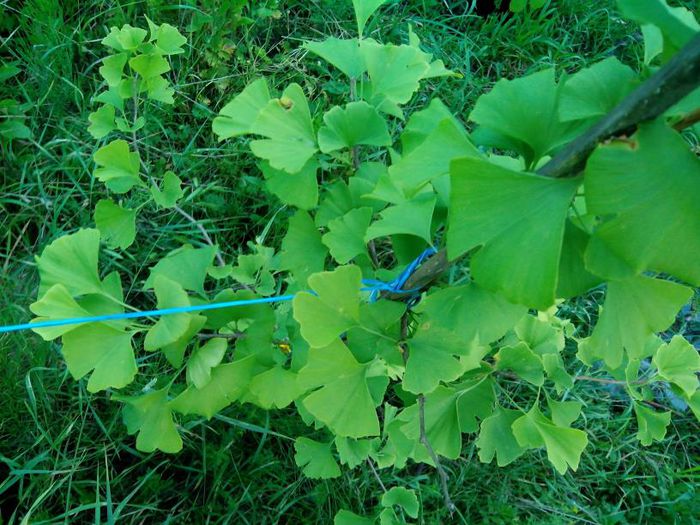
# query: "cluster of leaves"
{"points": [[391, 381]]}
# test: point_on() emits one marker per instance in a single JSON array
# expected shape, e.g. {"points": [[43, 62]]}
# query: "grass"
{"points": [[65, 455]]}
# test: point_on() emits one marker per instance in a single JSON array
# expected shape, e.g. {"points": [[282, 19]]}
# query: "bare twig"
{"points": [[691, 118], [376, 474]]}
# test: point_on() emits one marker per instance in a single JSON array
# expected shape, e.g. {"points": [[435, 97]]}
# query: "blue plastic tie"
{"points": [[373, 286]]}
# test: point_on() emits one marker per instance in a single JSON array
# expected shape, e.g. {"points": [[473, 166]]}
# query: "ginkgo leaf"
{"points": [[286, 123], [175, 351], [71, 260], [275, 388], [431, 359], [315, 459], [169, 41], [633, 310], [471, 311], [149, 65], [105, 351], [159, 89], [56, 303], [395, 73], [353, 452], [595, 90], [496, 438], [203, 359], [541, 337], [574, 278], [356, 123], [169, 193], [169, 328], [296, 189], [648, 184], [363, 10], [343, 402], [518, 220], [401, 497], [102, 121], [303, 253], [432, 157], [342, 53], [237, 117], [652, 425], [564, 445], [127, 38], [227, 384], [345, 517], [116, 224], [378, 333], [678, 362], [677, 24], [118, 167], [346, 235], [524, 110], [150, 416], [564, 412], [332, 309], [521, 360], [187, 266], [412, 217], [112, 68]]}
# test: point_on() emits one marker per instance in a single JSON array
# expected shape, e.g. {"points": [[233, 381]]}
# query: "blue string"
{"points": [[371, 285]]}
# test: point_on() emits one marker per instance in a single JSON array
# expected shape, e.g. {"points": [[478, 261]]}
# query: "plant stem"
{"points": [[431, 452]]}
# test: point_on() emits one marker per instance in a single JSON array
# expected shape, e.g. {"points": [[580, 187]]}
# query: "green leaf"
{"points": [[564, 445], [227, 384], [187, 266], [127, 38], [652, 425], [353, 452], [679, 363], [496, 438], [332, 309], [345, 517], [237, 117], [594, 91], [101, 121], [159, 89], [422, 123], [394, 72], [431, 159], [56, 303], [574, 278], [175, 351], [633, 310], [169, 41], [648, 184], [303, 253], [476, 314], [521, 360], [117, 225], [286, 122], [343, 54], [540, 335], [346, 235], [412, 217], [112, 69], [315, 459], [431, 359], [378, 333], [295, 189], [105, 351], [149, 65], [169, 328], [71, 260], [151, 417], [119, 167], [677, 24], [524, 110], [275, 388], [203, 359], [402, 497], [518, 220], [556, 372], [170, 193], [343, 402], [363, 10], [357, 123]]}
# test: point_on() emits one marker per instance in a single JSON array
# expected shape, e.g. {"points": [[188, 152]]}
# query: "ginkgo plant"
{"points": [[389, 373]]}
